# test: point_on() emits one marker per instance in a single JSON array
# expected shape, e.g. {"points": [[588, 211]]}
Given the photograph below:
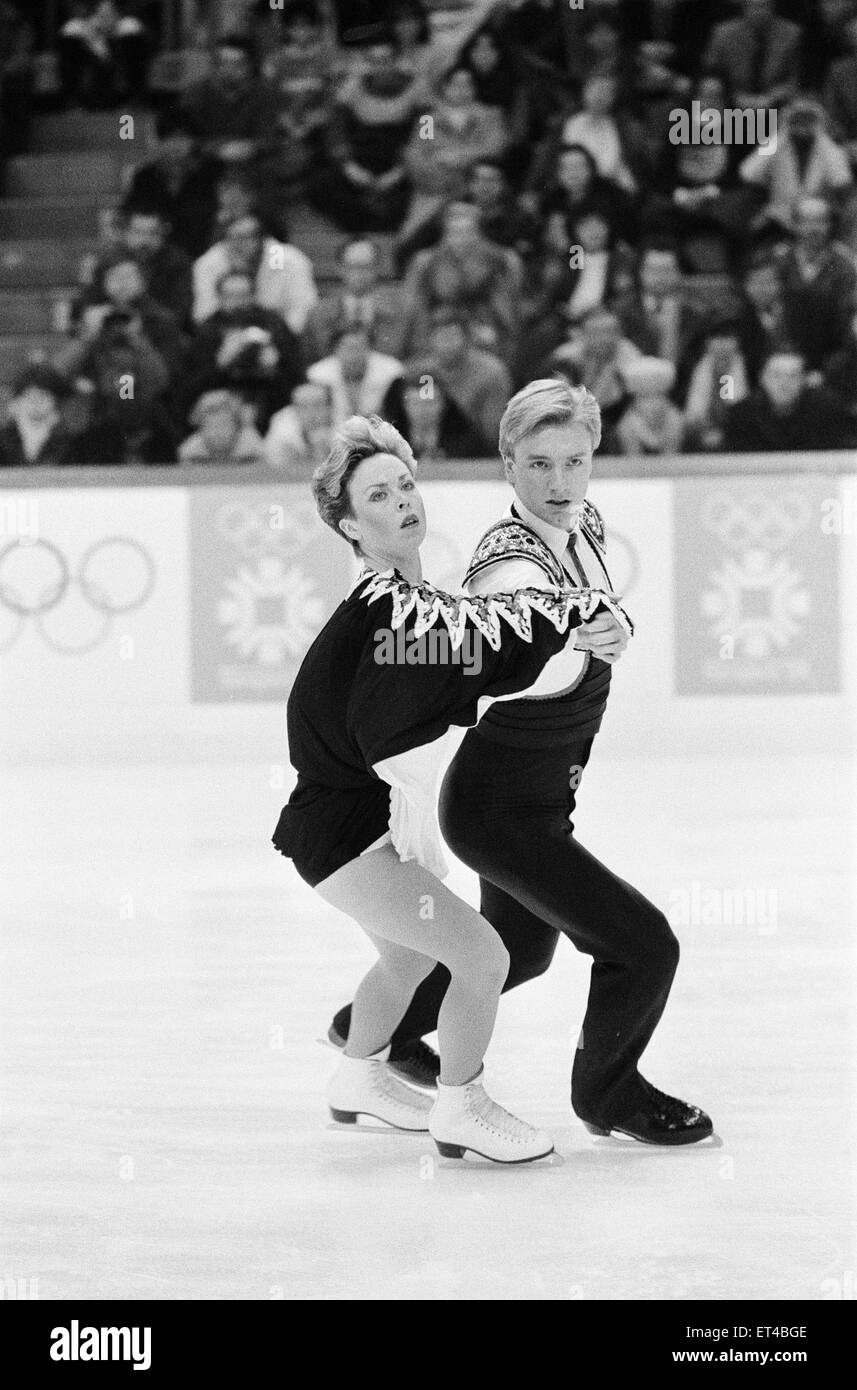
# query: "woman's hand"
{"points": [[603, 636]]}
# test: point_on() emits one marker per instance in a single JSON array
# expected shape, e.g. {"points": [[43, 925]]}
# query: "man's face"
{"points": [[574, 172], [551, 470], [601, 335], [359, 268], [380, 58], [123, 283], [459, 89], [236, 294], [231, 68], [219, 429], [782, 380], [593, 234], [599, 94], [244, 242], [448, 343], [722, 347], [145, 235], [487, 187], [762, 285], [461, 225], [659, 273], [353, 353]]}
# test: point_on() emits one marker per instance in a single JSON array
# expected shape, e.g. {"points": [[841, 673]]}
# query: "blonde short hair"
{"points": [[361, 437], [549, 401]]}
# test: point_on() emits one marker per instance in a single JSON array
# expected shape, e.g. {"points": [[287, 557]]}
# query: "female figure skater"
{"points": [[366, 736]]}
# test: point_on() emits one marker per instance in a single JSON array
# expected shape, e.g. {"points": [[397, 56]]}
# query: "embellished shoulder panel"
{"points": [[510, 539], [488, 612], [592, 523]]}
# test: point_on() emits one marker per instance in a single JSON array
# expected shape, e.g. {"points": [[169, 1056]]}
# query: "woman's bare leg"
{"points": [[415, 921]]}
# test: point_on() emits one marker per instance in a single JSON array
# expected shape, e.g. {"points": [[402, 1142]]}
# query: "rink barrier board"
{"points": [[183, 617]]}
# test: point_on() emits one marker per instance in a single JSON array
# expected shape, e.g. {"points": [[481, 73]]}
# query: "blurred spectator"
{"points": [[695, 189], [420, 52], [222, 434], [362, 381], [681, 27], [246, 348], [361, 300], [841, 373], [825, 40], [434, 426], [806, 163], [230, 111], [501, 220], [167, 269], [34, 435], [840, 95], [718, 379], [598, 357], [500, 81], [282, 275], [120, 287], [475, 381], [608, 138], [763, 320], [103, 55], [16, 79], [572, 279], [758, 54], [657, 315], [300, 75], [365, 186], [819, 285], [180, 183], [467, 272], [578, 188], [129, 378], [651, 424], [785, 413], [447, 142], [300, 435]]}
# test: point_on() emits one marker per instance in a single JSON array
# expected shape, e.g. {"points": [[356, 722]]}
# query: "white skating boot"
{"points": [[367, 1086], [465, 1117]]}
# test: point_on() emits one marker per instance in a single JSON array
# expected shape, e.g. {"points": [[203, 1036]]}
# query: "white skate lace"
{"points": [[491, 1116]]}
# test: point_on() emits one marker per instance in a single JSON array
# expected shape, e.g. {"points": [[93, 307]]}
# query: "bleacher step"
{"points": [[32, 218], [71, 173], [42, 262], [88, 131]]}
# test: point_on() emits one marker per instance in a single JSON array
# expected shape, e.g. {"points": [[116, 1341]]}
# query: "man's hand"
{"points": [[603, 636]]}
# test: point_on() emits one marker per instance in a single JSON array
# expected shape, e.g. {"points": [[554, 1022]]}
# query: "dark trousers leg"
{"points": [[532, 856], [530, 942]]}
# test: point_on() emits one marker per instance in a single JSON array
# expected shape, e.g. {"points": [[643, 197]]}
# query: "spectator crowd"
{"points": [[509, 204]]}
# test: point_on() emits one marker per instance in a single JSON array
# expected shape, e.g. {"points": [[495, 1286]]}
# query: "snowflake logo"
{"points": [[270, 612], [757, 600]]}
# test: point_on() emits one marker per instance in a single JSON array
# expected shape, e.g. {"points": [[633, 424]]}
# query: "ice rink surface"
{"points": [[167, 975]]}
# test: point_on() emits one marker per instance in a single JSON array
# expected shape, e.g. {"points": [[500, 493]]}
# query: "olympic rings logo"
{"points": [[115, 575]]}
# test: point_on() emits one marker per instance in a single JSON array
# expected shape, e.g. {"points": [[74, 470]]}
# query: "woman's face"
{"points": [[388, 518]]}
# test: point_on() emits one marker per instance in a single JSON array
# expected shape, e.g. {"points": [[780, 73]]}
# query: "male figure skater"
{"points": [[509, 794]]}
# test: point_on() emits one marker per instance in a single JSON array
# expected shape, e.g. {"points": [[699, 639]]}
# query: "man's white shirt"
{"points": [[504, 576]]}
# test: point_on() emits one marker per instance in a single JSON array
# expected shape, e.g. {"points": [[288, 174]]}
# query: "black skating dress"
{"points": [[352, 708]]}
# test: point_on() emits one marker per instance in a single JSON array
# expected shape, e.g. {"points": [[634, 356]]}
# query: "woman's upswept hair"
{"points": [[359, 438], [549, 401]]}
